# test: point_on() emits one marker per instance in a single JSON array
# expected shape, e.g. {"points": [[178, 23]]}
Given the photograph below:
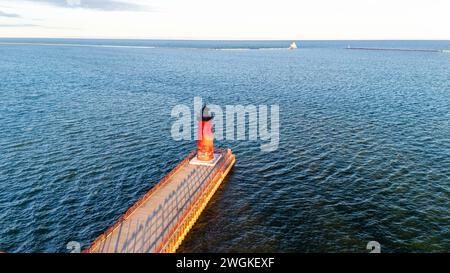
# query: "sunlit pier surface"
{"points": [[161, 219], [397, 49]]}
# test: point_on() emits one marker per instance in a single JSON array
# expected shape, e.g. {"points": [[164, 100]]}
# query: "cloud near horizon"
{"points": [[104, 5], [19, 25], [9, 15]]}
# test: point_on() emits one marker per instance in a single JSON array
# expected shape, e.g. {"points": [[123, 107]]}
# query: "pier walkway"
{"points": [[161, 219]]}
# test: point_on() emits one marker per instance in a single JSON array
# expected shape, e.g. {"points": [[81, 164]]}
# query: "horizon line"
{"points": [[226, 39]]}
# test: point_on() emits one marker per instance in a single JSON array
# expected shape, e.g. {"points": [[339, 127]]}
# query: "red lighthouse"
{"points": [[205, 144]]}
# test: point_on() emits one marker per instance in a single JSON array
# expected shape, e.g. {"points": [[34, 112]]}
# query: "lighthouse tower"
{"points": [[205, 143]]}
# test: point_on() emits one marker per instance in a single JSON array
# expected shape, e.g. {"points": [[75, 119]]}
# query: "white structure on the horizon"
{"points": [[293, 46]]}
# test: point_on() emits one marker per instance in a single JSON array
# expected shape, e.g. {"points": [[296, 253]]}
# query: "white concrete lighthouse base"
{"points": [[211, 163]]}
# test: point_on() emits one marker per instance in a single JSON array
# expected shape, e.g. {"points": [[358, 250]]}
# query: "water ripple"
{"points": [[363, 153]]}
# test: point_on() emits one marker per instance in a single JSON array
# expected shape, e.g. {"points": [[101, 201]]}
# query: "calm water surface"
{"points": [[364, 148]]}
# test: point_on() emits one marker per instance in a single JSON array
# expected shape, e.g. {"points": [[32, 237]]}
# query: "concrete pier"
{"points": [[161, 219]]}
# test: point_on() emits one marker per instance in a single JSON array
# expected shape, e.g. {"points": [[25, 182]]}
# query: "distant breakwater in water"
{"points": [[398, 49], [138, 47]]}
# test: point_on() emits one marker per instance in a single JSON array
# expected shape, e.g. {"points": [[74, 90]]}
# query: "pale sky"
{"points": [[227, 19]]}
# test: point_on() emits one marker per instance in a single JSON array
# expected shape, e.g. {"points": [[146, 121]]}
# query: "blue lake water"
{"points": [[364, 149]]}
